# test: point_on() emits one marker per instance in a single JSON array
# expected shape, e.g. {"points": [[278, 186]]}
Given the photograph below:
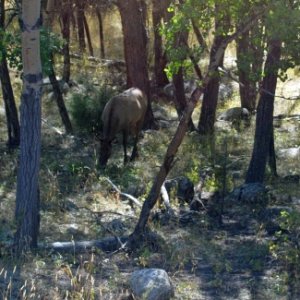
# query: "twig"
{"points": [[130, 197]]}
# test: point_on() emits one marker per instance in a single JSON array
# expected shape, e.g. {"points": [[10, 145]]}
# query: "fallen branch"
{"points": [[108, 244], [52, 127], [130, 197]]}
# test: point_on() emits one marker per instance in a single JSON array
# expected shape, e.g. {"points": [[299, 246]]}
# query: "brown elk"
{"points": [[123, 113]]}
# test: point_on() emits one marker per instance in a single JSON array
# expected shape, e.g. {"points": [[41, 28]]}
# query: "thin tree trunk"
{"points": [[88, 35], [248, 98], [59, 99], [80, 24], [137, 235], [51, 73], [27, 198], [101, 33], [12, 120], [264, 136], [180, 99], [65, 20]]}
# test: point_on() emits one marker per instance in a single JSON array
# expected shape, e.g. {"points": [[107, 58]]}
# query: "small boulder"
{"points": [[151, 284], [235, 114]]}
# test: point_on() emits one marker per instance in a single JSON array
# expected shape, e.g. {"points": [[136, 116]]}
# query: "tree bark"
{"points": [[159, 11], [12, 120], [65, 31], [135, 48], [264, 135], [101, 33], [211, 93], [27, 198], [180, 99], [80, 25], [248, 96], [88, 35]]}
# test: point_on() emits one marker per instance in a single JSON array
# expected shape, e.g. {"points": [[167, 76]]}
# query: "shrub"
{"points": [[86, 109]]}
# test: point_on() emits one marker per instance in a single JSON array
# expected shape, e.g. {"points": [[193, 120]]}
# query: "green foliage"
{"points": [[285, 247], [50, 44], [10, 45], [86, 109]]}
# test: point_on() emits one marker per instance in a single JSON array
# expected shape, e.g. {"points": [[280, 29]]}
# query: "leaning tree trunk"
{"points": [[65, 31], [27, 198], [101, 32], [51, 72], [264, 135], [137, 236], [135, 48], [13, 126], [88, 35]]}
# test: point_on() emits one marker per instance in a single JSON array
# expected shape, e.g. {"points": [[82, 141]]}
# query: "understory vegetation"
{"points": [[245, 257]]}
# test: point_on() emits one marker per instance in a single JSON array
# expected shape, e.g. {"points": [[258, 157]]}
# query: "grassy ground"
{"points": [[204, 260]]}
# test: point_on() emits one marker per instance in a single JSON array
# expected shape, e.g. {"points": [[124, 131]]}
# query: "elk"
{"points": [[123, 113]]}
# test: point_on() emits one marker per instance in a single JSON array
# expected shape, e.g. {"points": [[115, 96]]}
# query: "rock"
{"points": [[289, 152], [151, 284], [184, 188], [249, 193], [189, 87], [235, 114], [225, 91]]}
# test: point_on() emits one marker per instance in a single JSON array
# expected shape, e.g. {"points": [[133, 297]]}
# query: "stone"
{"points": [[151, 284], [234, 114]]}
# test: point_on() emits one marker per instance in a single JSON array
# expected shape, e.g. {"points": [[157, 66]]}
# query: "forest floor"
{"points": [[238, 259]]}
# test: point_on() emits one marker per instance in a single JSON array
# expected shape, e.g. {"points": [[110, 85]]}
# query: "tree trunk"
{"points": [[248, 96], [264, 135], [135, 47], [27, 198], [13, 126], [159, 10], [180, 99], [137, 235], [51, 72], [88, 35], [65, 31], [211, 93], [59, 99], [101, 33], [80, 24]]}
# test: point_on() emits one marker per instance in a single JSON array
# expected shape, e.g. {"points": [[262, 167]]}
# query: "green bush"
{"points": [[86, 109]]}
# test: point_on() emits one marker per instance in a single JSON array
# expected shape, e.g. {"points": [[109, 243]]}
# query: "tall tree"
{"points": [[264, 135], [135, 48], [27, 197], [12, 119]]}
